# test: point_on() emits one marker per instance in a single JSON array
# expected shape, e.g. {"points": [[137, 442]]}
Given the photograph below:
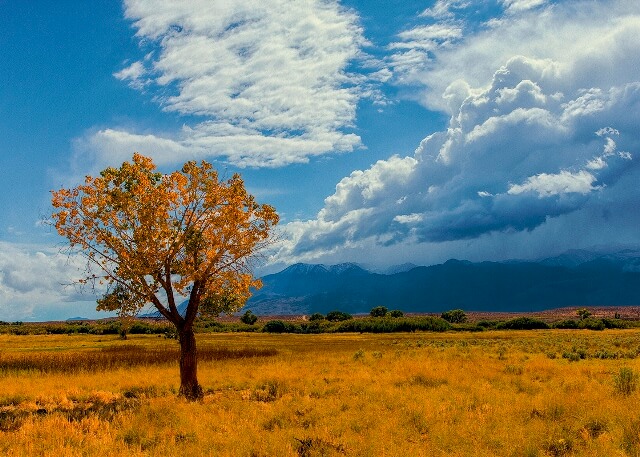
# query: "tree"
{"points": [[455, 316], [157, 237], [120, 300], [378, 311], [337, 316], [249, 318], [583, 313]]}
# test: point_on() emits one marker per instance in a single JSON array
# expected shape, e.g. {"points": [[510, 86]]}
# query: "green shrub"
{"points": [[277, 326], [487, 324], [591, 324], [566, 324], [337, 316], [454, 316], [249, 318], [391, 325], [316, 317], [396, 313], [625, 381], [583, 313], [522, 323], [613, 323], [378, 311]]}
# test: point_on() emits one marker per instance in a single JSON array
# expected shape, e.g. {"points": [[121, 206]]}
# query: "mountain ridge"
{"points": [[573, 278]]}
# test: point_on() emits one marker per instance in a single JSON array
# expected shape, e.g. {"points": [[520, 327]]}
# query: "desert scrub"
{"points": [[625, 382], [430, 394]]}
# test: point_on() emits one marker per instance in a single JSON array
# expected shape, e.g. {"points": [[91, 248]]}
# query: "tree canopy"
{"points": [[159, 237]]}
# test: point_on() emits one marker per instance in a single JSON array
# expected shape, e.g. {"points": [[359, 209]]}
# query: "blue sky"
{"points": [[383, 132]]}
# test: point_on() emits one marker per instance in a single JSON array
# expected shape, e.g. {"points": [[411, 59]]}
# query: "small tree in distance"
{"points": [[154, 237], [378, 311], [455, 316], [583, 313], [249, 318], [337, 316]]}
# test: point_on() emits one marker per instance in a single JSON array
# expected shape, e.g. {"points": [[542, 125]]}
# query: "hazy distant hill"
{"points": [[575, 278]]}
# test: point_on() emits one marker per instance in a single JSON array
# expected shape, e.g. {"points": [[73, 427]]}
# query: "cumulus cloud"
{"points": [[36, 279], [544, 104], [267, 80]]}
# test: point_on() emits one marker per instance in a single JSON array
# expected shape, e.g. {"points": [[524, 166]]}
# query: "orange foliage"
{"points": [[159, 236]]}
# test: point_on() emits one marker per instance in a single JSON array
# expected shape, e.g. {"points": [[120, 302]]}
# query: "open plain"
{"points": [[502, 393]]}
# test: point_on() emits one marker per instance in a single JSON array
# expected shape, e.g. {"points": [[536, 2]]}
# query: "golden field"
{"points": [[494, 393]]}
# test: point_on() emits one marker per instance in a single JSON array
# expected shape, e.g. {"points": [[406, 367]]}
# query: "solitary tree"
{"points": [[154, 237], [378, 311], [455, 316]]}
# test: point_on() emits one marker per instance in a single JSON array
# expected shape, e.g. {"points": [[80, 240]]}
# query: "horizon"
{"points": [[409, 132]]}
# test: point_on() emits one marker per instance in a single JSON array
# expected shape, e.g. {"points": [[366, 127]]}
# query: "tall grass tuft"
{"points": [[625, 381]]}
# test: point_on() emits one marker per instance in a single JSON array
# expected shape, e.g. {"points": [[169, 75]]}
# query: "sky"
{"points": [[383, 132]]}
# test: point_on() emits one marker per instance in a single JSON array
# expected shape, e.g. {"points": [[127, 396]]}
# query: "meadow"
{"points": [[492, 393]]}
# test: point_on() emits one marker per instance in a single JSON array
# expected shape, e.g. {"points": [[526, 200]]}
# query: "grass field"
{"points": [[502, 393]]}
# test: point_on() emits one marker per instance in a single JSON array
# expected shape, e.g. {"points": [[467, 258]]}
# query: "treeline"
{"points": [[380, 320]]}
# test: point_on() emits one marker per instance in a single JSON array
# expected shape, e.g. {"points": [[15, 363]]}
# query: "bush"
{"points": [[454, 316], [487, 324], [337, 316], [378, 311], [583, 313], [566, 324], [591, 324], [249, 318], [625, 381], [316, 317], [396, 313], [522, 323], [277, 326], [390, 325]]}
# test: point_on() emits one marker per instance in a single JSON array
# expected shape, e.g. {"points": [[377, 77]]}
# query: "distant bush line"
{"points": [[338, 322]]}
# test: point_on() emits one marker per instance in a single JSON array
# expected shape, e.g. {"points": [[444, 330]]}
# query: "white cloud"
{"points": [[444, 9], [541, 103], [134, 74], [547, 185], [35, 282], [515, 6], [269, 78]]}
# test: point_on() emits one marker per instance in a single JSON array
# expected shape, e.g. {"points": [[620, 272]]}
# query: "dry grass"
{"points": [[420, 394]]}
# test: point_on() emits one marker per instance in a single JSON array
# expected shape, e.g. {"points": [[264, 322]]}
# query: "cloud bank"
{"points": [[259, 83], [544, 103], [34, 283]]}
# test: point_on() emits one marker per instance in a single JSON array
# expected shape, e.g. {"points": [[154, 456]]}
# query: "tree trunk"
{"points": [[189, 387]]}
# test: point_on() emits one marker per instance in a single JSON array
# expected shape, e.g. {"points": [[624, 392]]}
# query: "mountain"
{"points": [[574, 278], [182, 309]]}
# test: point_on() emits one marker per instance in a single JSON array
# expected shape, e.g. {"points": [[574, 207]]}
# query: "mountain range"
{"points": [[574, 278]]}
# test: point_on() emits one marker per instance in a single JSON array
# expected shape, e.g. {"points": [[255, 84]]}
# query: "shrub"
{"points": [[454, 316], [337, 316], [522, 323], [487, 324], [316, 317], [249, 318], [591, 324], [613, 323], [566, 324], [277, 326], [625, 381], [583, 313], [378, 311], [396, 313], [390, 325]]}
